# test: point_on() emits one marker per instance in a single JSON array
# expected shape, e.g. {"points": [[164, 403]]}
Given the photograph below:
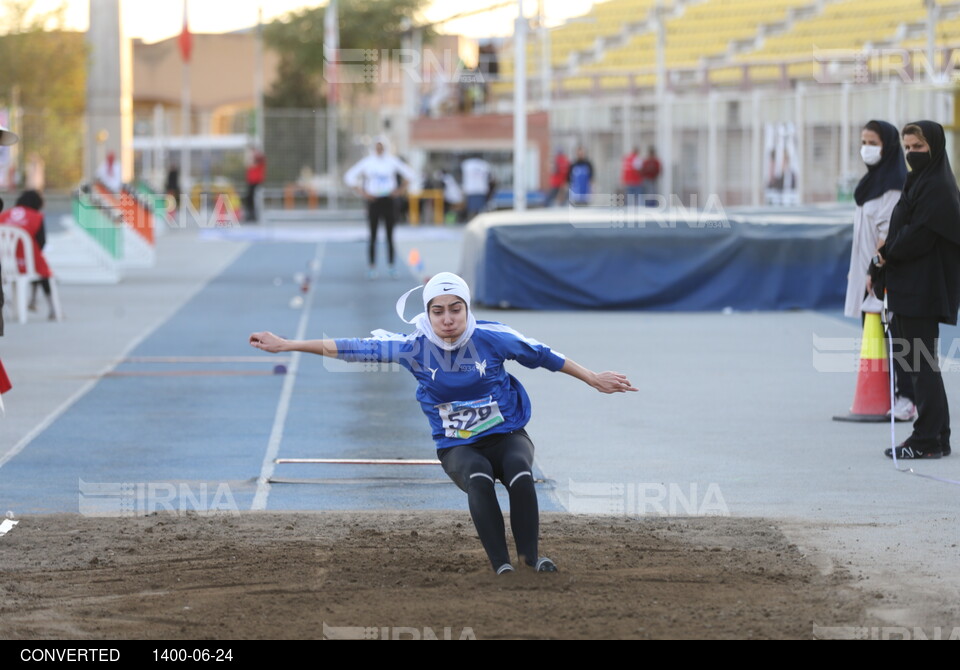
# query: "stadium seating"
{"points": [[613, 47]]}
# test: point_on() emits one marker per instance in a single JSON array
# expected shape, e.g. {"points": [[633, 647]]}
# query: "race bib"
{"points": [[466, 418]]}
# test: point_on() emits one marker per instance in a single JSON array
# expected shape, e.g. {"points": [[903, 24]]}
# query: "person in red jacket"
{"points": [[558, 178], [26, 214], [631, 176], [256, 174]]}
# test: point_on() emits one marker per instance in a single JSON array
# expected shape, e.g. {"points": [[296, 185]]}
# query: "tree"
{"points": [[298, 39], [44, 72]]}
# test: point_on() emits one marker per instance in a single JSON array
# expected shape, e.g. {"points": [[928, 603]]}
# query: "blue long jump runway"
{"points": [[186, 421]]}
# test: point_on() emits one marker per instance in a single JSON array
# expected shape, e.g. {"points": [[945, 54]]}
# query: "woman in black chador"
{"points": [[920, 264]]}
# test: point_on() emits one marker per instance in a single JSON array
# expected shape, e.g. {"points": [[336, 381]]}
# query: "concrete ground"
{"points": [[733, 416]]}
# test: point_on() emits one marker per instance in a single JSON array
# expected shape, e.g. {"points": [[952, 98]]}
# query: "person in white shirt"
{"points": [[452, 194], [375, 178], [109, 173], [476, 184]]}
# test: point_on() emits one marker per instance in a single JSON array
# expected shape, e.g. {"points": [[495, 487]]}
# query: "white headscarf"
{"points": [[441, 284]]}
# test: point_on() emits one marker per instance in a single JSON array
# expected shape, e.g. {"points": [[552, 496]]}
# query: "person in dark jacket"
{"points": [[921, 273]]}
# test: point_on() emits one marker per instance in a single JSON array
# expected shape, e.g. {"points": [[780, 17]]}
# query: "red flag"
{"points": [[186, 39]]}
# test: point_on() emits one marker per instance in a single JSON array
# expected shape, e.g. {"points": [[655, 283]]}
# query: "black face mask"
{"points": [[917, 160]]}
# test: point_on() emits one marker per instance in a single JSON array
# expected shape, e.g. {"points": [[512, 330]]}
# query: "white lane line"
{"points": [[280, 418], [7, 526]]}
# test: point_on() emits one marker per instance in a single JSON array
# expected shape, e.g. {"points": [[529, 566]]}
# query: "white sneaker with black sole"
{"points": [[545, 565]]}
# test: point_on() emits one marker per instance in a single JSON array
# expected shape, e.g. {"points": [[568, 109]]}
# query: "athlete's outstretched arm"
{"points": [[267, 341], [605, 382]]}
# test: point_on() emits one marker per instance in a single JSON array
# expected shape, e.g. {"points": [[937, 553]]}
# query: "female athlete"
{"points": [[477, 410]]}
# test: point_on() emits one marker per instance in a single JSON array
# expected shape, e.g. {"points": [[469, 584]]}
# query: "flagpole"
{"points": [[185, 180], [331, 48]]}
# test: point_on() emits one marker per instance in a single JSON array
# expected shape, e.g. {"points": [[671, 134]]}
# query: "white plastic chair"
{"points": [[10, 238]]}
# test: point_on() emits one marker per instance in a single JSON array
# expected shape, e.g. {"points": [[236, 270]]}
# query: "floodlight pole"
{"points": [[520, 112], [664, 125]]}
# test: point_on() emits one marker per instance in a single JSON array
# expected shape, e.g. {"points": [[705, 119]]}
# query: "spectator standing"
{"points": [[380, 178], [476, 177], [876, 195], [558, 178], [172, 186], [256, 174], [452, 196], [650, 170], [919, 267], [631, 176], [110, 174], [580, 179]]}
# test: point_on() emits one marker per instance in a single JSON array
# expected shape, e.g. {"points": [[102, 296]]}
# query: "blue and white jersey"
{"points": [[466, 394]]}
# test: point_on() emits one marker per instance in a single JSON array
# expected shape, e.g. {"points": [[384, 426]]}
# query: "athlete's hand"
{"points": [[613, 382], [267, 341]]}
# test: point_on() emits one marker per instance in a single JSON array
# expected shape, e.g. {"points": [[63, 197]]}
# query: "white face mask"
{"points": [[870, 154]]}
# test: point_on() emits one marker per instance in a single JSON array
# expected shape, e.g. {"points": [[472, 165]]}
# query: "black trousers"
{"points": [[920, 350], [250, 202], [904, 384], [474, 467], [377, 209]]}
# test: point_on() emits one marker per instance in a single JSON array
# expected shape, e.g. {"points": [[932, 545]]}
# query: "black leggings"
{"points": [[474, 467], [381, 208]]}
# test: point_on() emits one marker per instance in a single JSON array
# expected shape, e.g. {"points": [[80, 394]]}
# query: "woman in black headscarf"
{"points": [[876, 195], [921, 272]]}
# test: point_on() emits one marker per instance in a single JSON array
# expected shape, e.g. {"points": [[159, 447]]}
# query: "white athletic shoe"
{"points": [[904, 409], [506, 568], [545, 565]]}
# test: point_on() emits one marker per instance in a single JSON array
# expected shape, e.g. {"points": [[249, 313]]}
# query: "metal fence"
{"points": [[759, 147], [762, 146]]}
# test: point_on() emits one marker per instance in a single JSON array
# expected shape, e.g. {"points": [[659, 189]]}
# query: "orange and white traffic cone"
{"points": [[871, 400]]}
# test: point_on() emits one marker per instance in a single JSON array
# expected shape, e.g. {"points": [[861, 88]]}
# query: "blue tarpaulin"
{"points": [[738, 265]]}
